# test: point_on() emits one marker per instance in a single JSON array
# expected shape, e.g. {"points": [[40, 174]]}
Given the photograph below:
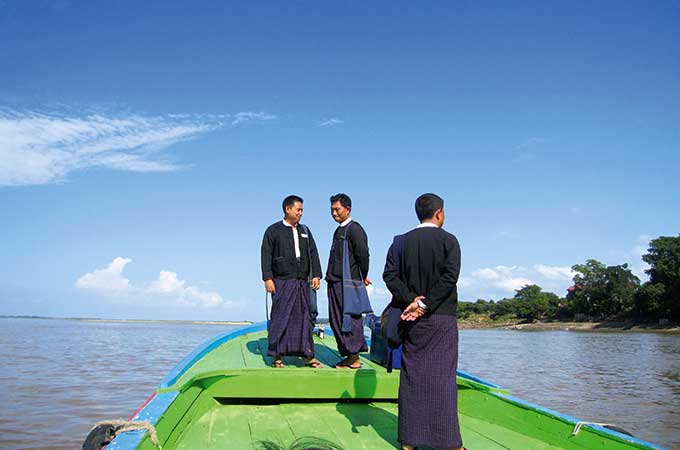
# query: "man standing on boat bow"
{"points": [[289, 259], [347, 273], [421, 272]]}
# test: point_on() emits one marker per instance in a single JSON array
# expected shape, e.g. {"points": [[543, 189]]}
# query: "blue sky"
{"points": [[145, 146]]}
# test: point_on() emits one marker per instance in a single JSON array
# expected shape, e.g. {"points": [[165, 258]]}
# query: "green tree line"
{"points": [[599, 292]]}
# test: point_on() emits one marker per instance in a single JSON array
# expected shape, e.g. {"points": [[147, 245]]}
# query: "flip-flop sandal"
{"points": [[340, 365], [278, 364], [314, 364]]}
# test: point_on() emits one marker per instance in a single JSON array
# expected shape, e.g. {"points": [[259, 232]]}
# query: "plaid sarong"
{"points": [[290, 328], [351, 342], [428, 394]]}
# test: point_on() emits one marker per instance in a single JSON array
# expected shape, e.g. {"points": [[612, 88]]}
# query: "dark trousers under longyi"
{"points": [[290, 328], [428, 394], [348, 343]]}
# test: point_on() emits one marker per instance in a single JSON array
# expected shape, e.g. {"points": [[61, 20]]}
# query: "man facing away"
{"points": [[288, 249], [350, 342], [424, 282]]}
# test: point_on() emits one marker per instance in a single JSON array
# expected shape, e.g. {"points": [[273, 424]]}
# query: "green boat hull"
{"points": [[226, 395]]}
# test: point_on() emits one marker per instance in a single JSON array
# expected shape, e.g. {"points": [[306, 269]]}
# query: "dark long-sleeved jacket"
{"points": [[357, 241], [278, 253], [429, 266]]}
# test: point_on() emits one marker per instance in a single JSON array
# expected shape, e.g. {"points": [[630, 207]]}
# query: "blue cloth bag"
{"points": [[354, 294]]}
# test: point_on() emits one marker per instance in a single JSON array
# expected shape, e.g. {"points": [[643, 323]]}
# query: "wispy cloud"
{"points": [[243, 118], [41, 148], [109, 282], [331, 122]]}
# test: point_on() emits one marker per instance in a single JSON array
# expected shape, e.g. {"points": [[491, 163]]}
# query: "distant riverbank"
{"points": [[480, 322], [94, 319], [475, 322]]}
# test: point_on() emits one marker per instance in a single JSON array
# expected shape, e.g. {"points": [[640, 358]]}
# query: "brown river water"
{"points": [[61, 376]]}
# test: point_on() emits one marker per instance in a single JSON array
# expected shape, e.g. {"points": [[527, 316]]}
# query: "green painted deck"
{"points": [[250, 351], [353, 426], [232, 398]]}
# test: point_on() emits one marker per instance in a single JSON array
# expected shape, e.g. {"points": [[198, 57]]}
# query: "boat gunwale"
{"points": [[574, 421]]}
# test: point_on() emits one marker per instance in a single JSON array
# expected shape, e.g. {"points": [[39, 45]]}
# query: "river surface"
{"points": [[61, 376]]}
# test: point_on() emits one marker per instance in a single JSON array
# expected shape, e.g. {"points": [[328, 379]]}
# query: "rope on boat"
{"points": [[578, 426], [116, 427]]}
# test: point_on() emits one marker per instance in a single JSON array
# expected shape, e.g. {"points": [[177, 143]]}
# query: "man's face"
{"points": [[339, 212], [294, 213]]}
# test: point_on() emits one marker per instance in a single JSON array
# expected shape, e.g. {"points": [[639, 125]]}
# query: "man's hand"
{"points": [[316, 283], [269, 286], [367, 281], [413, 311]]}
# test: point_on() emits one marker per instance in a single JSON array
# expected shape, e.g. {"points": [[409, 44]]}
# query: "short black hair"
{"points": [[427, 205], [344, 200], [290, 201]]}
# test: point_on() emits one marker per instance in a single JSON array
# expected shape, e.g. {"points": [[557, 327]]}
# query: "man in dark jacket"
{"points": [[424, 283], [350, 341], [288, 250]]}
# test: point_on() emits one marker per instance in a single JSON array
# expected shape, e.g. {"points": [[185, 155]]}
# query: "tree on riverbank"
{"points": [[601, 291], [660, 296], [529, 303]]}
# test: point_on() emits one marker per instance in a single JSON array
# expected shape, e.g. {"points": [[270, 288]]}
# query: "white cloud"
{"points": [[167, 288], [513, 284], [331, 122], [40, 148], [170, 286], [486, 274], [252, 117], [167, 283], [109, 280], [555, 272], [501, 277], [637, 265]]}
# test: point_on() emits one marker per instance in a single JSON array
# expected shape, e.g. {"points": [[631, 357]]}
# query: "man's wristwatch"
{"points": [[422, 305]]}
